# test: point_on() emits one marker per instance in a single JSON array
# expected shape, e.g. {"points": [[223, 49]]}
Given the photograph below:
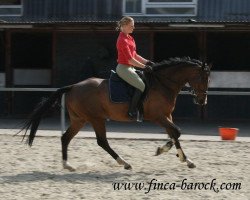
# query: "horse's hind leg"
{"points": [[100, 130], [66, 138]]}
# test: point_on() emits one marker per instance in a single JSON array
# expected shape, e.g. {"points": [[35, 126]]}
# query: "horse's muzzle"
{"points": [[200, 101]]}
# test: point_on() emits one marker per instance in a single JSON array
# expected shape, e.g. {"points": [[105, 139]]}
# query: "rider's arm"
{"points": [[141, 59], [136, 63]]}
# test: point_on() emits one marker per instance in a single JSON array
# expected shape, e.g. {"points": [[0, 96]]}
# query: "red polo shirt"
{"points": [[126, 48]]}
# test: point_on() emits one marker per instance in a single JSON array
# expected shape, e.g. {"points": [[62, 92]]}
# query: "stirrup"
{"points": [[135, 116], [132, 115]]}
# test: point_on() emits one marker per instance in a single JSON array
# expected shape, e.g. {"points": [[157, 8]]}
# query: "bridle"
{"points": [[197, 92], [192, 91]]}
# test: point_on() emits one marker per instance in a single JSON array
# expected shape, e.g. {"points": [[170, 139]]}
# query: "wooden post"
{"points": [[8, 71], [151, 45], [202, 43], [8, 68], [203, 46], [53, 59]]}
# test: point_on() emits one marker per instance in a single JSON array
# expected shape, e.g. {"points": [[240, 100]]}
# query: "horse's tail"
{"points": [[34, 119]]}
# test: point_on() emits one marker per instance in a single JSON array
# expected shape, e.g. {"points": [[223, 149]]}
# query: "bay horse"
{"points": [[89, 101]]}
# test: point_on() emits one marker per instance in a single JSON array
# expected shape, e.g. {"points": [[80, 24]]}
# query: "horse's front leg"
{"points": [[165, 148], [170, 128], [181, 154], [174, 133]]}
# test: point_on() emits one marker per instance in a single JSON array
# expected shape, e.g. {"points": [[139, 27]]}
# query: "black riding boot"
{"points": [[132, 110]]}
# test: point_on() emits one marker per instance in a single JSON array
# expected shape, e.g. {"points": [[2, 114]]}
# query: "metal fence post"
{"points": [[63, 113]]}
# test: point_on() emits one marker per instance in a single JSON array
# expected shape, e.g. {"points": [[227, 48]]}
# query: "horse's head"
{"points": [[199, 84], [175, 72]]}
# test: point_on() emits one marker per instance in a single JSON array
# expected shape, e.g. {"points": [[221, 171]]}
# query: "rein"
{"points": [[167, 83], [195, 93], [162, 85], [191, 90]]}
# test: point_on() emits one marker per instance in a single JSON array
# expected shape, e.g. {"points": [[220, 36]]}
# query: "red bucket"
{"points": [[228, 133]]}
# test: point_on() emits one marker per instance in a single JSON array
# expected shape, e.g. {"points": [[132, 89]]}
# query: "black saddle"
{"points": [[121, 92]]}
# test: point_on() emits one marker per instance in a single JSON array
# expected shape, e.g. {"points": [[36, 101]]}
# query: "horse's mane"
{"points": [[176, 61]]}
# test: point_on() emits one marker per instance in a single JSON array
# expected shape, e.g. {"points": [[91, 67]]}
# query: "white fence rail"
{"points": [[41, 90], [63, 97]]}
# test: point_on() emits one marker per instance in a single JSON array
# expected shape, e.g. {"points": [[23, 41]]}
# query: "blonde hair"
{"points": [[124, 21]]}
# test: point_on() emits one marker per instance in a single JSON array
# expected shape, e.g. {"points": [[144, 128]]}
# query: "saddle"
{"points": [[121, 92]]}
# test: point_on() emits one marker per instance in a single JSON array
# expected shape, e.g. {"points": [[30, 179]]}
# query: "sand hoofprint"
{"points": [[36, 173]]}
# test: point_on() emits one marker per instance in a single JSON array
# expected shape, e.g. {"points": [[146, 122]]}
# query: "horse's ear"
{"points": [[206, 67], [203, 66], [210, 65]]}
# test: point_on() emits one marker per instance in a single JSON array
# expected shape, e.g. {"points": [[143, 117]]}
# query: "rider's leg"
{"points": [[128, 74]]}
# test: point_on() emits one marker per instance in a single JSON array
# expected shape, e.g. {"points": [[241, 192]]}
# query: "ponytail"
{"points": [[118, 26]]}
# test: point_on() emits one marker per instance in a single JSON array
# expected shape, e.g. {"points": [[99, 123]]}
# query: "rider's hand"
{"points": [[150, 63], [148, 69]]}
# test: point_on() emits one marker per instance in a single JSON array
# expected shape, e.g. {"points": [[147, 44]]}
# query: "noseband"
{"points": [[198, 92]]}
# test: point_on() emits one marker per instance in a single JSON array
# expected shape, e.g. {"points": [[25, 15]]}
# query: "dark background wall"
{"points": [[175, 44], [90, 55], [80, 55], [229, 51], [84, 55]]}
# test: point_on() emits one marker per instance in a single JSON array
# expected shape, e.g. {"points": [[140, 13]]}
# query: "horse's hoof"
{"points": [[68, 167], [71, 169], [127, 167], [158, 151], [191, 165]]}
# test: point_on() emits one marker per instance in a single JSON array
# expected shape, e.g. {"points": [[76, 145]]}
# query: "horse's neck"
{"points": [[174, 78]]}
